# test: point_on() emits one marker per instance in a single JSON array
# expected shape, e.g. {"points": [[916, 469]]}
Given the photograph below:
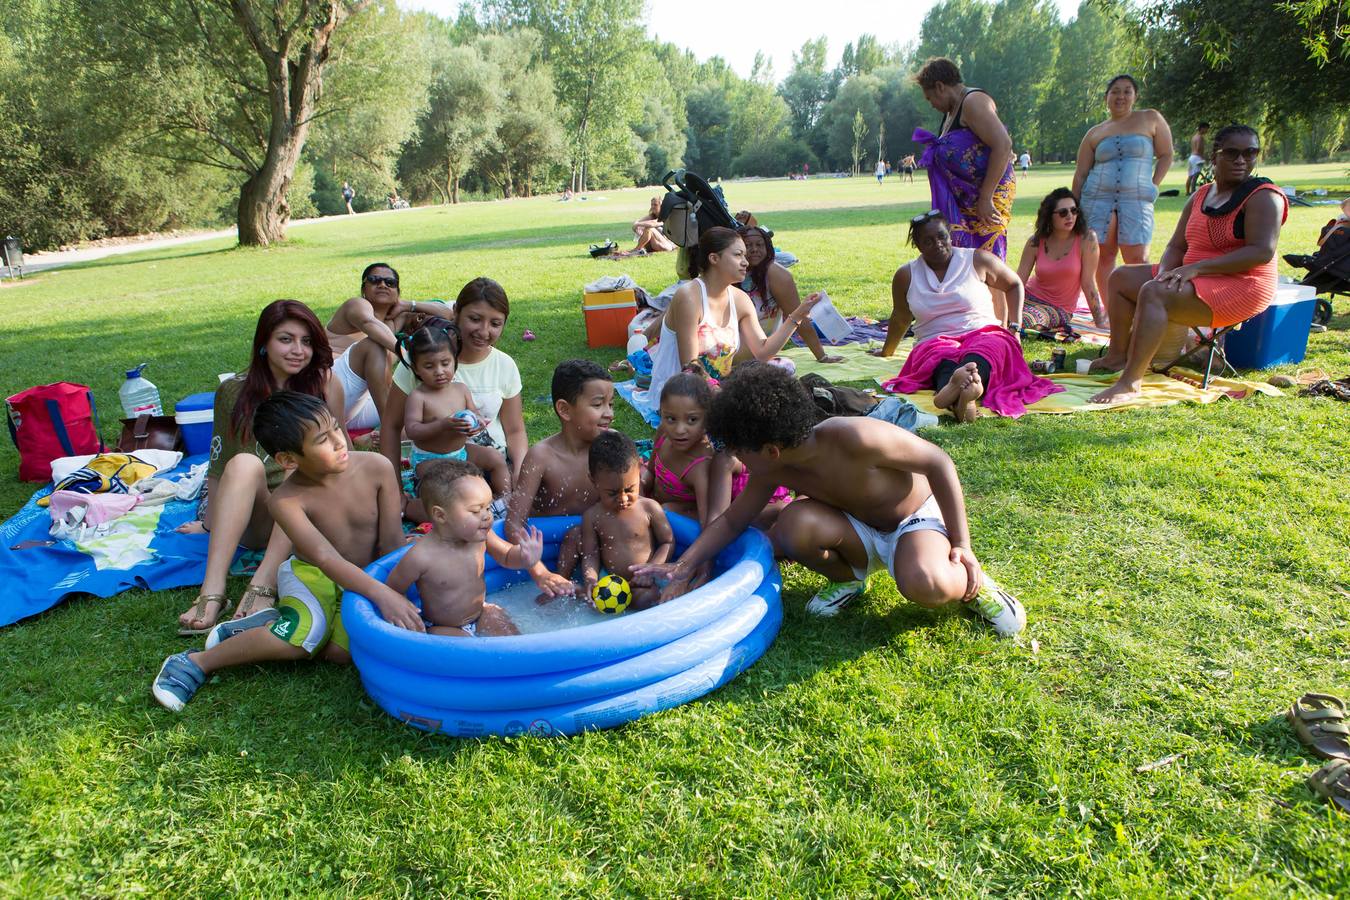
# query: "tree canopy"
{"points": [[189, 112]]}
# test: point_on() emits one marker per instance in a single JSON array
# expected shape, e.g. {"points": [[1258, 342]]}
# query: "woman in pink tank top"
{"points": [[1058, 265]]}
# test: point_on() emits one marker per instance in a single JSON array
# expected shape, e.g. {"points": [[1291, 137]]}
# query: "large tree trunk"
{"points": [[292, 88], [263, 210]]}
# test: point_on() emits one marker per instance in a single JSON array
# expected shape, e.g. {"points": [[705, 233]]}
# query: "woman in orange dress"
{"points": [[1218, 269]]}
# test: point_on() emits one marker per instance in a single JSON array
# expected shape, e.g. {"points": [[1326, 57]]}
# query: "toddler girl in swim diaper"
{"points": [[440, 416]]}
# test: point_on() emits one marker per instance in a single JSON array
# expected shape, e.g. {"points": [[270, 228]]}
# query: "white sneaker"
{"points": [[1000, 608], [834, 596]]}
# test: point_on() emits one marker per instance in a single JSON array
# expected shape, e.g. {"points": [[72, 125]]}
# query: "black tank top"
{"points": [[956, 120]]}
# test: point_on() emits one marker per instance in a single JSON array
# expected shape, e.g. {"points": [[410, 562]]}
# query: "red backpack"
{"points": [[51, 421]]}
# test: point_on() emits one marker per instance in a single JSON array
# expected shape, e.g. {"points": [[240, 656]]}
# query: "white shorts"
{"points": [[881, 547], [361, 411], [1194, 164]]}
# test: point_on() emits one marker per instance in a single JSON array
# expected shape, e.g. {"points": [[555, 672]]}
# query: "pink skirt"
{"points": [[1012, 386]]}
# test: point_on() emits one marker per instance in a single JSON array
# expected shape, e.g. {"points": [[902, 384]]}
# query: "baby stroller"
{"points": [[1329, 271], [690, 205]]}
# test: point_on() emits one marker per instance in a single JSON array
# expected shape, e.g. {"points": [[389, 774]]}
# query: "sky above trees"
{"points": [[735, 31]]}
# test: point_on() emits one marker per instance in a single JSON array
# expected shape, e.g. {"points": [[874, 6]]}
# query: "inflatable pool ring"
{"points": [[575, 679]]}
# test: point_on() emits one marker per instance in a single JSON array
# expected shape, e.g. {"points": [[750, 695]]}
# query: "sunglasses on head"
{"points": [[1067, 212], [1231, 154], [926, 217], [386, 280]]}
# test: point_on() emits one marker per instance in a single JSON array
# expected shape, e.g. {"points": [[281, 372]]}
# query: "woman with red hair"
{"points": [[291, 352]]}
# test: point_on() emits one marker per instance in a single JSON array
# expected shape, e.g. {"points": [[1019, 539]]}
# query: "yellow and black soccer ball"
{"points": [[612, 595]]}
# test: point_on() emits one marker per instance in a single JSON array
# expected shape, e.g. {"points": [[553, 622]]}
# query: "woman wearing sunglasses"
{"points": [[964, 350], [1218, 269], [1058, 266], [361, 333]]}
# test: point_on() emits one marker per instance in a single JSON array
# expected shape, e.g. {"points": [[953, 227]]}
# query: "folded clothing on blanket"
{"points": [[145, 552]]}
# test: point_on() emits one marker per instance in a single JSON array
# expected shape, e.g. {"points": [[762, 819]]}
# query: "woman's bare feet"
{"points": [[966, 409], [1105, 365], [1120, 392], [196, 526], [947, 396]]}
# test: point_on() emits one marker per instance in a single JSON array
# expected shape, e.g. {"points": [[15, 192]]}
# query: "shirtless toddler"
{"points": [[447, 564], [623, 529]]}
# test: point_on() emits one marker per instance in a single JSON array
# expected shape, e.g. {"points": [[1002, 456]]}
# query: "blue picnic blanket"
{"points": [[37, 578], [626, 389]]}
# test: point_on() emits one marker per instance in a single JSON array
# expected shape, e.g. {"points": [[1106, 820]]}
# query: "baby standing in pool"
{"points": [[438, 404], [447, 564]]}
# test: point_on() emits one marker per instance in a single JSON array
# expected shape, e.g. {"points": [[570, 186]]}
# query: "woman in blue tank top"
{"points": [[1121, 162]]}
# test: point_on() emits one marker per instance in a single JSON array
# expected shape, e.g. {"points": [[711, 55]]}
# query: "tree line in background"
{"points": [[119, 117]]}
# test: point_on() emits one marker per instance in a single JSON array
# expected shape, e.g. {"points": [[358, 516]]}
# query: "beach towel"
{"points": [[1181, 386], [143, 552], [637, 399], [858, 364]]}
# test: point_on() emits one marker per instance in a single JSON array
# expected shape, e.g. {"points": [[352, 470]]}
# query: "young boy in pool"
{"points": [[341, 511], [555, 477], [875, 497], [623, 529], [447, 564]]}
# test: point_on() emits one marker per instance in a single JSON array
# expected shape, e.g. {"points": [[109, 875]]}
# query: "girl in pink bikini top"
{"points": [[684, 465]]}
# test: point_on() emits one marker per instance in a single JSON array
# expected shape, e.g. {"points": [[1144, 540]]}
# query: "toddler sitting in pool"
{"points": [[447, 564], [440, 416], [623, 529]]}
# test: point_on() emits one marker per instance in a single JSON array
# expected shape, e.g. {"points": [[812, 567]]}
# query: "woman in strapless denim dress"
{"points": [[1121, 162]]}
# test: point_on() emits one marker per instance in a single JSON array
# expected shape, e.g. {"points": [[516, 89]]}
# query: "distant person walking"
{"points": [[1025, 162], [969, 160], [881, 171], [1195, 163], [1121, 162], [348, 195], [907, 166]]}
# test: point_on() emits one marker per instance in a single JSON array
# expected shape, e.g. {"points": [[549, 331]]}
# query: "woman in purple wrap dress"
{"points": [[969, 160]]}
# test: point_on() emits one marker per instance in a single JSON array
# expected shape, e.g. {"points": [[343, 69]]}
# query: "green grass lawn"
{"points": [[1184, 569]]}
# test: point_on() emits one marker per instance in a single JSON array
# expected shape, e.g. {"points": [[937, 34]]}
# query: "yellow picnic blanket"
{"points": [[1182, 386], [858, 365]]}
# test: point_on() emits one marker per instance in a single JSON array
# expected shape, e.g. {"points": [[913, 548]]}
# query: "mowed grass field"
{"points": [[1184, 570]]}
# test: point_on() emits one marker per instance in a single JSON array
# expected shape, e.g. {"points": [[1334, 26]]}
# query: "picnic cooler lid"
{"points": [[625, 299], [195, 409]]}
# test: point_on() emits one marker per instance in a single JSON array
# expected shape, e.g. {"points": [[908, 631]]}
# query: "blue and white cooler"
{"points": [[194, 415]]}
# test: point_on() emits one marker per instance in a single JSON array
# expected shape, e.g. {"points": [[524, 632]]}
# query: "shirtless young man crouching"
{"points": [[876, 497]]}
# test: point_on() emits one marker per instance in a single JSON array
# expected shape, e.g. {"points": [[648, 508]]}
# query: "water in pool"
{"points": [[531, 617]]}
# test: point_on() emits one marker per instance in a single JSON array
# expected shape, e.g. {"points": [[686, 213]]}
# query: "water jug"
{"points": [[139, 395]]}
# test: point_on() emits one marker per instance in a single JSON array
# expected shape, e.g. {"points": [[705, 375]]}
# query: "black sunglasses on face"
{"points": [[924, 217], [1067, 212], [1231, 154], [385, 280]]}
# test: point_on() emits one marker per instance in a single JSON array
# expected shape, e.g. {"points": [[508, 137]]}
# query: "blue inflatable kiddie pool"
{"points": [[577, 679]]}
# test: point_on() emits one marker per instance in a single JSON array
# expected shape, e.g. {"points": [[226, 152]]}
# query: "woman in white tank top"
{"points": [[709, 319], [966, 349]]}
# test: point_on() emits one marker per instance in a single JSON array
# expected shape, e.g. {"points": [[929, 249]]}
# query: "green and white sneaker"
{"points": [[834, 596], [1000, 608]]}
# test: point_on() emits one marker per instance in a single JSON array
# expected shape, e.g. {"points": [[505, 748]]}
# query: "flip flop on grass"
{"points": [[1319, 721], [1332, 783]]}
